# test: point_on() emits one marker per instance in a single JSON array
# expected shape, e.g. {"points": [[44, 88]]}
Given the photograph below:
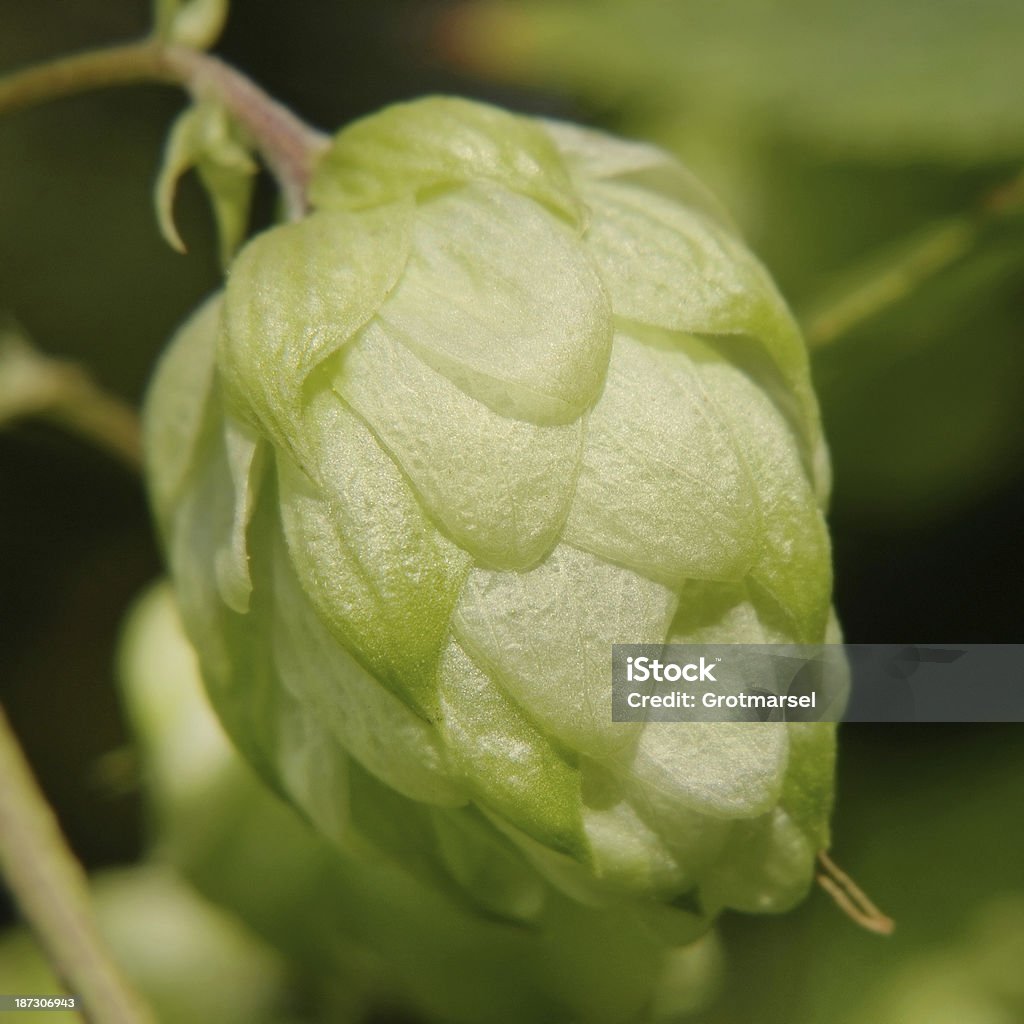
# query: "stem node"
{"points": [[288, 146]]}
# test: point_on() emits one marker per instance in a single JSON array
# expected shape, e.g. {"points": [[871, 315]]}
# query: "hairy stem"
{"points": [[289, 147], [50, 887]]}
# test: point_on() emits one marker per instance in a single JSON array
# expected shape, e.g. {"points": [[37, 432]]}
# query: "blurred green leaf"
{"points": [[974, 981], [938, 79]]}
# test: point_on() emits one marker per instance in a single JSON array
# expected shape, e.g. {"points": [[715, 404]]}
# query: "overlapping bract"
{"points": [[513, 392]]}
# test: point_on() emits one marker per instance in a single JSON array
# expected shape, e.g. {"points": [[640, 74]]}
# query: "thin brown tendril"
{"points": [[851, 899]]}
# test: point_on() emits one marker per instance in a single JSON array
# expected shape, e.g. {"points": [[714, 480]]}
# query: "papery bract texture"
{"points": [[514, 391]]}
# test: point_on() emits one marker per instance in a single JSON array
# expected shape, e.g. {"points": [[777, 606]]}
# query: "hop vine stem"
{"points": [[288, 146], [35, 385], [887, 278], [52, 892]]}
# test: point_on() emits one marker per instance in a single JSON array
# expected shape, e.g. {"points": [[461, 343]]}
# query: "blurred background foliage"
{"points": [[872, 154]]}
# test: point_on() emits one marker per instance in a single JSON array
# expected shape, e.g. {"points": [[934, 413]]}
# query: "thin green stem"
{"points": [[51, 890], [99, 417], [289, 147], [32, 384], [886, 279]]}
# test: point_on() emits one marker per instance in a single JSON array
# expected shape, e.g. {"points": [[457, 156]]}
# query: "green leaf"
{"points": [[769, 868], [942, 82], [793, 561], [488, 868], [627, 851], [198, 527], [694, 276], [205, 137]]}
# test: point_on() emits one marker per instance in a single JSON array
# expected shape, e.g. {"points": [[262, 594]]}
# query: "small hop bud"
{"points": [[514, 391]]}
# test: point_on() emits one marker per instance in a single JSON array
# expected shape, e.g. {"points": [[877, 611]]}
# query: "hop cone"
{"points": [[514, 391]]}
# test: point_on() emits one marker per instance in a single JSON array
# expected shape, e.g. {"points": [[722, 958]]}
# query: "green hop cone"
{"points": [[514, 391]]}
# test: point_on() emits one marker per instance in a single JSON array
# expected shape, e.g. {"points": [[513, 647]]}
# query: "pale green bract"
{"points": [[513, 392]]}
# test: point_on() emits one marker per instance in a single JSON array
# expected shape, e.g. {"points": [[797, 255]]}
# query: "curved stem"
{"points": [[90, 412], [288, 145], [32, 384], [51, 890]]}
